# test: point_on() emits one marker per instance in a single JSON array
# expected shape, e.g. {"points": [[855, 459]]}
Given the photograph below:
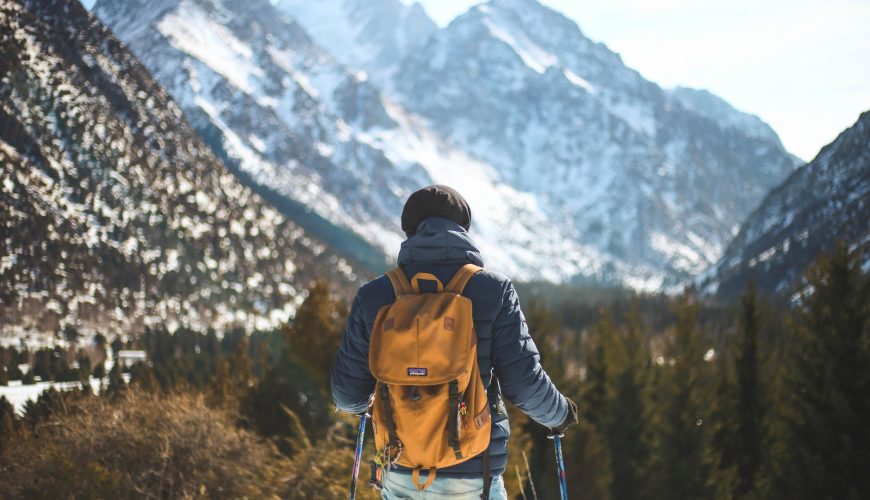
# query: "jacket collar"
{"points": [[439, 241]]}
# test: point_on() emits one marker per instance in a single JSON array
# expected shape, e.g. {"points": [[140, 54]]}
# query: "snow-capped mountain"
{"points": [[823, 202], [114, 214], [658, 179], [295, 122], [715, 109], [371, 35]]}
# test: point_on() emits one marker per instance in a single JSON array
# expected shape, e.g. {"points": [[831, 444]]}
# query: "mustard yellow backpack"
{"points": [[430, 408]]}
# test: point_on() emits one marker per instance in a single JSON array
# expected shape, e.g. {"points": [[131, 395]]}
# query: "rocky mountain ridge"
{"points": [[823, 203], [275, 105], [114, 214]]}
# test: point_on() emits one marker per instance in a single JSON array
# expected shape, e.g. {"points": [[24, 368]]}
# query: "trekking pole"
{"points": [[560, 464], [360, 438]]}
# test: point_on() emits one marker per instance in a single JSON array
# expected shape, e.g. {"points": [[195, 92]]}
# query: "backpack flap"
{"points": [[423, 339]]}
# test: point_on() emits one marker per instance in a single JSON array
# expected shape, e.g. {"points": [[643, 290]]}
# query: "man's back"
{"points": [[506, 352], [436, 220]]}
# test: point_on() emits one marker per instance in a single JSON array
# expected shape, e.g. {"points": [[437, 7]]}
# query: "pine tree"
{"points": [[686, 460], [315, 332], [629, 434], [751, 405], [116, 381], [585, 453], [826, 408], [234, 377], [598, 387], [546, 331], [142, 376], [7, 422]]}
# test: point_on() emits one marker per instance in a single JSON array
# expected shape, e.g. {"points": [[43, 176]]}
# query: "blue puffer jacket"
{"points": [[507, 355]]}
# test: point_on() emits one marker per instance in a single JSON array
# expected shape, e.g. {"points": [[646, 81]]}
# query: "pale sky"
{"points": [[803, 66]]}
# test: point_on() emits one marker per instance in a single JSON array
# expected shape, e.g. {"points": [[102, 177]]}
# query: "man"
{"points": [[436, 220]]}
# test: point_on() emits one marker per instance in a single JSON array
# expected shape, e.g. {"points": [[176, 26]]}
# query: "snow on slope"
{"points": [[371, 35], [630, 170], [114, 214], [824, 202], [716, 109], [313, 131]]}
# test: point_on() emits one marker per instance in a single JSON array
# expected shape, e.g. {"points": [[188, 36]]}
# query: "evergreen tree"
{"points": [[285, 397], [7, 422], [686, 460], [84, 367], [116, 381], [826, 407], [314, 335], [234, 377], [546, 331], [750, 433], [628, 433], [598, 387], [142, 377]]}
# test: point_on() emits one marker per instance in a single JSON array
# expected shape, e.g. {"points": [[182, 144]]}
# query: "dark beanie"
{"points": [[435, 201]]}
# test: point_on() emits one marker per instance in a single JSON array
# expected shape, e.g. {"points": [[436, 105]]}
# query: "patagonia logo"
{"points": [[418, 372]]}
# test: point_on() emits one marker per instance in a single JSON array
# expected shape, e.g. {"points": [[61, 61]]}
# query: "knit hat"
{"points": [[435, 201]]}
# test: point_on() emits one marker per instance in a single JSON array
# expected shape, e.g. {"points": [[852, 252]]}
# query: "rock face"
{"points": [[575, 166], [824, 202], [658, 179], [296, 123], [114, 214]]}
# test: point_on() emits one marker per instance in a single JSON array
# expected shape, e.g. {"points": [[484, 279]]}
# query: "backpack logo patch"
{"points": [[418, 372], [388, 324], [449, 324]]}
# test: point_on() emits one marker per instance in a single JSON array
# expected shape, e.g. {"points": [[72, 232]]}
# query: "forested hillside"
{"points": [[114, 213], [679, 399]]}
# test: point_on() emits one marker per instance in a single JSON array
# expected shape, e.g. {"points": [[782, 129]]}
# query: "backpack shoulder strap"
{"points": [[399, 281], [460, 279]]}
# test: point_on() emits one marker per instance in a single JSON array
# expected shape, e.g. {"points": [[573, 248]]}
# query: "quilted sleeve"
{"points": [[352, 382], [517, 365]]}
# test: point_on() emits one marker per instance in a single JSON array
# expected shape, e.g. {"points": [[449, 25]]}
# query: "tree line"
{"points": [[773, 405], [680, 397]]}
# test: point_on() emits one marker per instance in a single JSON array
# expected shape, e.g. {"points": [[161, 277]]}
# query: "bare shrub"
{"points": [[142, 446]]}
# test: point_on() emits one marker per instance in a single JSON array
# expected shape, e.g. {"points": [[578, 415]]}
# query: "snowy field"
{"points": [[19, 394]]}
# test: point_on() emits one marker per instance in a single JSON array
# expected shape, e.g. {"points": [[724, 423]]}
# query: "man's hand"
{"points": [[570, 419]]}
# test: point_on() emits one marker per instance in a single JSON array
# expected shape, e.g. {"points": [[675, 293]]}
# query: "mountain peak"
{"points": [[371, 35], [718, 110]]}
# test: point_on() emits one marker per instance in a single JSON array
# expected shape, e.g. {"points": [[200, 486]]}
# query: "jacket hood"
{"points": [[439, 241]]}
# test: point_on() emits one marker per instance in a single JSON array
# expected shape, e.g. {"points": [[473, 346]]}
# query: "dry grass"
{"points": [[143, 446]]}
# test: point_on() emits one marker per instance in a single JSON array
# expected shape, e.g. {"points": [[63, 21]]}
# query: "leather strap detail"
{"points": [[415, 281], [400, 282], [415, 476], [460, 279]]}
